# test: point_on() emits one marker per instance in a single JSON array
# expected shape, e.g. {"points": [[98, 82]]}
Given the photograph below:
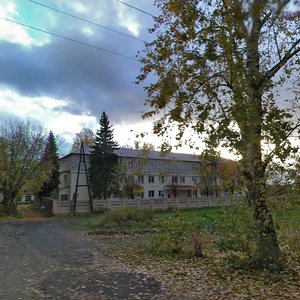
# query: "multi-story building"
{"points": [[170, 175]]}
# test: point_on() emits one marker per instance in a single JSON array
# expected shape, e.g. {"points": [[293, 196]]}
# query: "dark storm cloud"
{"points": [[89, 79]]}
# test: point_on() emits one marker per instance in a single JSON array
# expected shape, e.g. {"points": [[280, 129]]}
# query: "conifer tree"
{"points": [[51, 157], [103, 160]]}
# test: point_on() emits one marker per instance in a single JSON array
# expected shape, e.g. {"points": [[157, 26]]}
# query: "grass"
{"points": [[228, 229], [125, 218], [131, 218]]}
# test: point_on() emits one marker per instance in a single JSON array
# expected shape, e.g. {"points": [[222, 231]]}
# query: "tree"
{"points": [[50, 157], [21, 147], [123, 185], [209, 172], [219, 66], [86, 136], [230, 177], [103, 160]]}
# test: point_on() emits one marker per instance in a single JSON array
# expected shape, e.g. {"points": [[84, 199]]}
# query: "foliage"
{"points": [[86, 135], [208, 172], [21, 146], [24, 211], [50, 157], [103, 161], [231, 179], [126, 217], [124, 185], [219, 66], [237, 231], [177, 236]]}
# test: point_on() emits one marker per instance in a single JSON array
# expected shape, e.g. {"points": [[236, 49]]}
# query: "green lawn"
{"points": [[285, 219]]}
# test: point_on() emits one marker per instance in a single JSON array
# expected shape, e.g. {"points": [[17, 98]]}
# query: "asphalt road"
{"points": [[46, 260]]}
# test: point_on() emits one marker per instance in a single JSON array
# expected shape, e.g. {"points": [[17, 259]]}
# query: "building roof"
{"points": [[134, 153]]}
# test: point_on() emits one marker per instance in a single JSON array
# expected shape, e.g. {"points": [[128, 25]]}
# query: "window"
{"points": [[182, 179], [160, 163], [151, 179], [65, 178], [141, 179], [194, 179], [151, 194], [150, 163], [64, 197], [130, 163], [161, 179], [140, 195], [194, 193], [28, 198], [174, 179], [161, 193]]}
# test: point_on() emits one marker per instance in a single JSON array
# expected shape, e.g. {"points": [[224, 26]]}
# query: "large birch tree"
{"points": [[218, 68]]}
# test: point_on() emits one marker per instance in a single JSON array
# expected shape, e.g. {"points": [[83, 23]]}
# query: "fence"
{"points": [[64, 207], [46, 205]]}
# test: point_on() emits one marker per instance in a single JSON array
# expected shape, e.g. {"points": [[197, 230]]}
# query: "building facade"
{"points": [[158, 176]]}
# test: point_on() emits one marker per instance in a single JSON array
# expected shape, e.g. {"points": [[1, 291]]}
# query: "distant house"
{"points": [[27, 198]]}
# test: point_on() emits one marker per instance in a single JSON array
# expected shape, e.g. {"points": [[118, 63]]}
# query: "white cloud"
{"points": [[10, 31], [128, 20], [87, 31], [46, 111], [78, 7]]}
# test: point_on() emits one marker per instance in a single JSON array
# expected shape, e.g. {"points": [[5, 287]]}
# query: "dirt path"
{"points": [[45, 260]]}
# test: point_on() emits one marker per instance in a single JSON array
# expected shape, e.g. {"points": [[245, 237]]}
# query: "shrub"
{"points": [[177, 236], [238, 237], [126, 217], [237, 231]]}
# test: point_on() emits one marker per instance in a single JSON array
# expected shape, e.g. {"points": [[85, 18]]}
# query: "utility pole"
{"points": [[81, 159]]}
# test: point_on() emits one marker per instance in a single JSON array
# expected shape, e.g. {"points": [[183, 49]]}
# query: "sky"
{"points": [[65, 85]]}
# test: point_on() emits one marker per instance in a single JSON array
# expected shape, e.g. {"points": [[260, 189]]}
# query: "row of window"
{"points": [[151, 194], [162, 194], [175, 179], [157, 163]]}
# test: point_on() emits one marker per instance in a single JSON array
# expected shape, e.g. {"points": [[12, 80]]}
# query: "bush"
{"points": [[177, 237], [237, 231], [126, 217], [238, 237]]}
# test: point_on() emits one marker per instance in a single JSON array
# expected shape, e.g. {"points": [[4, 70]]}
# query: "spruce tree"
{"points": [[103, 160], [51, 157]]}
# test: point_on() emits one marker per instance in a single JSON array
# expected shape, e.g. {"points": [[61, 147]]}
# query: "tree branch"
{"points": [[289, 54], [269, 157]]}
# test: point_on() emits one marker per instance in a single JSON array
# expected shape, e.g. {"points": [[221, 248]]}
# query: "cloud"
{"points": [[89, 80], [10, 31]]}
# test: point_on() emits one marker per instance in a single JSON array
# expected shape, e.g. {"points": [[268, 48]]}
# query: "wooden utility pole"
{"points": [[81, 160]]}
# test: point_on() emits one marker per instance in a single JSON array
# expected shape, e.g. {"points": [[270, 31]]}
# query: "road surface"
{"points": [[46, 260]]}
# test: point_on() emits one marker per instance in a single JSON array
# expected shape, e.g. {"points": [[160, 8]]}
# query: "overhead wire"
{"points": [[69, 39], [136, 8], [85, 20]]}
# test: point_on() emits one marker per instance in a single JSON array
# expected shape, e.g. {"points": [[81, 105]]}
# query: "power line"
{"points": [[85, 20], [131, 6], [70, 39]]}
